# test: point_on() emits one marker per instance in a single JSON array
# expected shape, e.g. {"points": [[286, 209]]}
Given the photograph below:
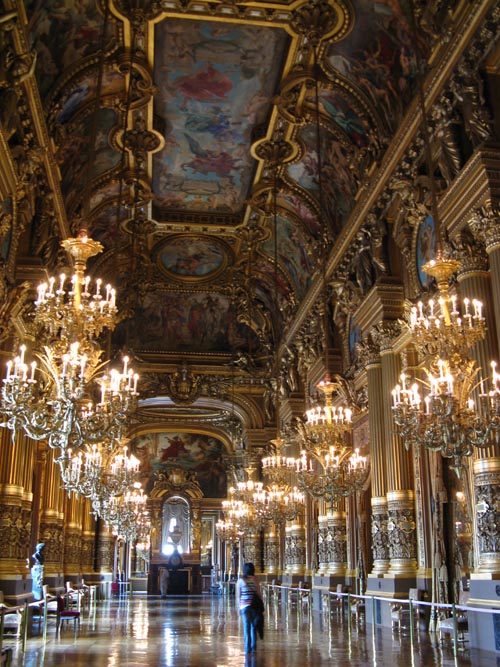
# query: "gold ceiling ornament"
{"points": [[317, 20]]}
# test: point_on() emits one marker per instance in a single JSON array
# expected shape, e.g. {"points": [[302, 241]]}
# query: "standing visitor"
{"points": [[249, 599]]}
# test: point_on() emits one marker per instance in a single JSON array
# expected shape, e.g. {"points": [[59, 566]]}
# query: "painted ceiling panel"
{"points": [[64, 33], [180, 321], [216, 83], [377, 57]]}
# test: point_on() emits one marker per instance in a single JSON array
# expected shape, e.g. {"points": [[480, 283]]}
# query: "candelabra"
{"points": [[228, 531], [125, 514], [443, 328], [278, 468]]}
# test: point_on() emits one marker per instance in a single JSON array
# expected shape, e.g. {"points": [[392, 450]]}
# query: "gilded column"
{"points": [[52, 523], [105, 550], [18, 462], [271, 550], [88, 540], [475, 282], [378, 461], [295, 547], [252, 549], [401, 525], [73, 522], [486, 228]]}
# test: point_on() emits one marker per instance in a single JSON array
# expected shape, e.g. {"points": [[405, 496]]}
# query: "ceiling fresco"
{"points": [[215, 87], [212, 243]]}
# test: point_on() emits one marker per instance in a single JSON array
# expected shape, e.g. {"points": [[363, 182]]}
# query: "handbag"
{"points": [[257, 604]]}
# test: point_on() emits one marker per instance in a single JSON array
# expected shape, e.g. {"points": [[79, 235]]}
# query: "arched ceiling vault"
{"points": [[188, 146]]}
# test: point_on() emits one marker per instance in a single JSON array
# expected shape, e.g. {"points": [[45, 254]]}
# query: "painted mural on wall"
{"points": [[208, 111], [171, 321], [200, 454]]}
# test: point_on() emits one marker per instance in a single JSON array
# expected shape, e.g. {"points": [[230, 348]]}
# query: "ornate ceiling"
{"points": [[188, 146]]}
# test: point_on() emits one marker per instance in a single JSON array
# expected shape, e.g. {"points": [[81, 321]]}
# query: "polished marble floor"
{"points": [[206, 631]]}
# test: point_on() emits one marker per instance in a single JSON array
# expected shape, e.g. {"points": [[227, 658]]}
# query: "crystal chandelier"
{"points": [[66, 398], [338, 474], [125, 514], [99, 473], [435, 406], [327, 425], [228, 531]]}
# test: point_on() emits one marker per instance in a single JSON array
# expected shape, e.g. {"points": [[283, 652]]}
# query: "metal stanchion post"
{"points": [[374, 616], [411, 623], [25, 622], [45, 605], [455, 630], [1, 631]]}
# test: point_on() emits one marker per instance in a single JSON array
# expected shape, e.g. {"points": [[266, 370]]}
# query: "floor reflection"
{"points": [[206, 632]]}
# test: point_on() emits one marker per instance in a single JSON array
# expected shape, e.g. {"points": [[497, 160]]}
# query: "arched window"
{"points": [[176, 518]]}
